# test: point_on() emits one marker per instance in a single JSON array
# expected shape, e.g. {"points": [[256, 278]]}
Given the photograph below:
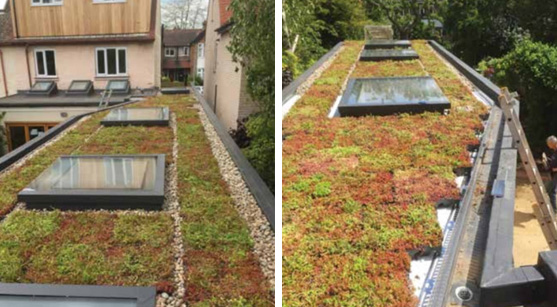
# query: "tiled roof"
{"points": [[6, 30], [225, 13], [180, 37]]}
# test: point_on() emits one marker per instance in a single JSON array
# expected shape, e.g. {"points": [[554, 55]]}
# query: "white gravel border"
{"points": [[245, 203]]}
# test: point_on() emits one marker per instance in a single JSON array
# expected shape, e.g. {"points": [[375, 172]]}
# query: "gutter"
{"points": [[28, 66]]}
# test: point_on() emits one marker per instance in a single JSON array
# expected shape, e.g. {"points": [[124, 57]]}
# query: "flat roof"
{"points": [[360, 194], [59, 100]]}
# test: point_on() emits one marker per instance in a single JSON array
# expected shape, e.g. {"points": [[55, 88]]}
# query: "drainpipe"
{"points": [[28, 67], [3, 72]]}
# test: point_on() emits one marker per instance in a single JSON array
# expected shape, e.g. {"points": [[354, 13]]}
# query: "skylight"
{"points": [[98, 182], [384, 54], [80, 87], [137, 116], [118, 86], [387, 44], [43, 88], [3, 5], [384, 96]]}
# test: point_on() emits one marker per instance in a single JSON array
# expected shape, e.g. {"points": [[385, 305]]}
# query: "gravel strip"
{"points": [[173, 206], [245, 203], [304, 87]]}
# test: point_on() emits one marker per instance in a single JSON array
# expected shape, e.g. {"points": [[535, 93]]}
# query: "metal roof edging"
{"points": [[258, 188]]}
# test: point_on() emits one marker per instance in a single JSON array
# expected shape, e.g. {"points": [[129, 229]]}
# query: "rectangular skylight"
{"points": [[118, 86], [117, 182], [43, 88], [387, 44], [137, 116], [80, 87], [386, 54], [385, 96], [41, 295]]}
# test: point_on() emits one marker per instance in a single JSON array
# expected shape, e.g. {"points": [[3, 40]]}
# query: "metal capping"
{"points": [[439, 295], [263, 196], [289, 91]]}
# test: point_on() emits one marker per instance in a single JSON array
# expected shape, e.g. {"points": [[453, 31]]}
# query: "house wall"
{"points": [[82, 17], [41, 115], [15, 70], [222, 75], [75, 62]]}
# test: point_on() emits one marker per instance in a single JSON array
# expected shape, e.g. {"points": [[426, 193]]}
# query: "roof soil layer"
{"points": [[135, 248], [359, 193]]}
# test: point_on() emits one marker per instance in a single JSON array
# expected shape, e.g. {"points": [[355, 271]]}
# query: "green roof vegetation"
{"points": [[136, 248], [360, 193]]}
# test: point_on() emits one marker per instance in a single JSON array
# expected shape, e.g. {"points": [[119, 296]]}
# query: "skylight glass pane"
{"points": [[119, 85], [28, 301], [41, 86], [97, 173], [395, 91], [79, 85], [137, 114]]}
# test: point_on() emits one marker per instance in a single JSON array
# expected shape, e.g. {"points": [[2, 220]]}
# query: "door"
{"points": [[21, 133]]}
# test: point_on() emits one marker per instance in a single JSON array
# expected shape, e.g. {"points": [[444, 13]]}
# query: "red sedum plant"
{"points": [[360, 193]]}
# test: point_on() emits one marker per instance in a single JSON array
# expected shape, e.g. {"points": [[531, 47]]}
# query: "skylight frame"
{"points": [[119, 91], [107, 199], [51, 90], [144, 296], [88, 91], [138, 122], [388, 54], [346, 109], [387, 44]]}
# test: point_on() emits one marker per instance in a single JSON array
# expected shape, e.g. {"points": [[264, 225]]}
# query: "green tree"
{"points": [[253, 45], [406, 15], [531, 70], [539, 18]]}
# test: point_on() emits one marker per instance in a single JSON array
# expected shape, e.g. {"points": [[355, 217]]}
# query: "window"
{"points": [[21, 133], [111, 62], [201, 51], [200, 72], [169, 52], [45, 63], [183, 51], [45, 2]]}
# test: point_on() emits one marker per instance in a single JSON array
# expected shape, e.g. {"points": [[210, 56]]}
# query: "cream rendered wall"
{"points": [[41, 115], [221, 71], [78, 62], [16, 70]]}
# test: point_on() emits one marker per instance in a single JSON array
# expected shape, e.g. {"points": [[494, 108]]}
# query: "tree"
{"points": [[530, 70], [253, 45], [406, 15], [184, 14]]}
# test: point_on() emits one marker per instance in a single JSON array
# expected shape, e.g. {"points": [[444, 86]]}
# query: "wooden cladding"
{"points": [[83, 17]]}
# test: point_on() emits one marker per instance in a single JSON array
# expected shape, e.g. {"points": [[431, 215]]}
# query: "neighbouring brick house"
{"points": [[225, 81], [178, 60]]}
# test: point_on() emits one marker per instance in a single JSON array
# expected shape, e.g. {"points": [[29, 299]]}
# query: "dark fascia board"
{"points": [[289, 91], [109, 199], [391, 55], [145, 296], [366, 109], [263, 196], [143, 122], [25, 149], [484, 84], [175, 90]]}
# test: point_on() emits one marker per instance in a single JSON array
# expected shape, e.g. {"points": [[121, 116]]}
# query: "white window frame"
{"points": [[201, 50], [186, 52], [108, 1], [167, 51], [106, 74], [46, 75], [41, 3]]}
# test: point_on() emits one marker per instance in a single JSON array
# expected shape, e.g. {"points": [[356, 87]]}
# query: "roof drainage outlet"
{"points": [[464, 294]]}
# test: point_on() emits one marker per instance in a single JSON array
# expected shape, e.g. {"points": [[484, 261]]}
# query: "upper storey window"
{"points": [[109, 1], [46, 2]]}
